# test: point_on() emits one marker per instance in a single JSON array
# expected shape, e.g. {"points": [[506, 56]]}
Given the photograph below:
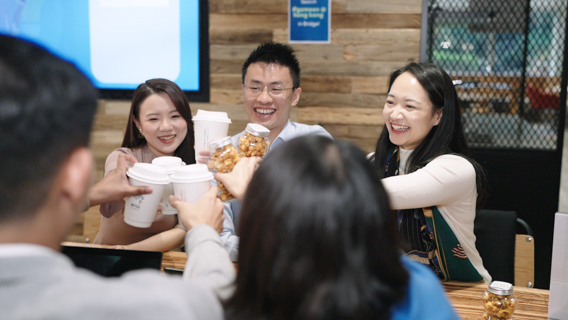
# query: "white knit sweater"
{"points": [[447, 182]]}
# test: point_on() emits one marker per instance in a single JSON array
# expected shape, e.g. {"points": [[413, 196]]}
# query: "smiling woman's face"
{"points": [[163, 127], [408, 112]]}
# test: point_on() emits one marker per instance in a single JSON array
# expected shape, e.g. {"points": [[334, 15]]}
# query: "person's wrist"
{"points": [[192, 226], [92, 196]]}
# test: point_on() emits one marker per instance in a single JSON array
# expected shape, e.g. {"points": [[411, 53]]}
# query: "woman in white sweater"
{"points": [[432, 185]]}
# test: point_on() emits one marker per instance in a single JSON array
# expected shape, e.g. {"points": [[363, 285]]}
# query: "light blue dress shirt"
{"points": [[232, 207]]}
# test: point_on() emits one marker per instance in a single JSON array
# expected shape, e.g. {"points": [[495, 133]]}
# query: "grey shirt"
{"points": [[45, 284]]}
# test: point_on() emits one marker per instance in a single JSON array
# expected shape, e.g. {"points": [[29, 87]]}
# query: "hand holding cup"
{"points": [[207, 210], [204, 156], [238, 180], [115, 186]]}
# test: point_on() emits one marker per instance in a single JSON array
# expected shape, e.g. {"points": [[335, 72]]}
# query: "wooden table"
{"points": [[465, 297], [467, 300], [174, 259]]}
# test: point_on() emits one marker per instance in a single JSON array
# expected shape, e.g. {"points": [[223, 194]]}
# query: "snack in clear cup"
{"points": [[140, 211], [191, 182], [224, 157], [209, 126], [170, 164], [254, 142]]}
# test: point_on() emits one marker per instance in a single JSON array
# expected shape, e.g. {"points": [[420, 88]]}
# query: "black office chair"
{"points": [[496, 233]]}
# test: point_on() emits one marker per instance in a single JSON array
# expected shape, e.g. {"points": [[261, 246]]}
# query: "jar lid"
{"points": [[221, 142], [500, 288], [191, 173], [258, 130], [148, 173], [168, 162]]}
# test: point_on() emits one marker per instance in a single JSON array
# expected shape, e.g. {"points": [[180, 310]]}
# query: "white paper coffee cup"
{"points": [[191, 182], [140, 211], [170, 164], [207, 126]]}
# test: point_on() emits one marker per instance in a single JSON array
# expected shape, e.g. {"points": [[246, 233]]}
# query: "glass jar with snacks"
{"points": [[223, 158], [254, 142], [499, 301]]}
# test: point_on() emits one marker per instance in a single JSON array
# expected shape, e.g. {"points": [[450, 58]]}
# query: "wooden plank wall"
{"points": [[344, 82]]}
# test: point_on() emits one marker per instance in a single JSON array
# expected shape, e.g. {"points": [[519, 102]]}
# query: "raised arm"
{"points": [[441, 182], [163, 241], [114, 186], [207, 261]]}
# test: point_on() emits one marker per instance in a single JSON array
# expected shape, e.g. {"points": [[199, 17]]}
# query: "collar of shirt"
{"points": [[286, 134]]}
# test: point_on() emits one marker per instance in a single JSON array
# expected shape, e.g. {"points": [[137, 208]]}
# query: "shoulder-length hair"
{"points": [[153, 86], [317, 237], [447, 137]]}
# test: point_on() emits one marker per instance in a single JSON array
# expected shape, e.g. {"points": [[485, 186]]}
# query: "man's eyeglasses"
{"points": [[255, 90]]}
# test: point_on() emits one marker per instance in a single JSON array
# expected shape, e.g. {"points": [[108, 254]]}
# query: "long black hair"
{"points": [[317, 237], [445, 138], [153, 86]]}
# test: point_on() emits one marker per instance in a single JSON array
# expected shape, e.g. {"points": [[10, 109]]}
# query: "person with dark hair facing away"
{"points": [[159, 124], [46, 112], [318, 241], [270, 88], [433, 185]]}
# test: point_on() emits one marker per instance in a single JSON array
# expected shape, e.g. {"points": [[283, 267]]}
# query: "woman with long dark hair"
{"points": [[318, 241], [421, 155], [159, 124]]}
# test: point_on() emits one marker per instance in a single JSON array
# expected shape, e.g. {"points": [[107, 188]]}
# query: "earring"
{"points": [[141, 134]]}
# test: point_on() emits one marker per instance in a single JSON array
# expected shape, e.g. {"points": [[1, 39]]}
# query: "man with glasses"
{"points": [[271, 87]]}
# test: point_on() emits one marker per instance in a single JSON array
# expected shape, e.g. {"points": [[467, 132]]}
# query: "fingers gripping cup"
{"points": [[140, 211], [207, 126], [191, 182], [170, 164]]}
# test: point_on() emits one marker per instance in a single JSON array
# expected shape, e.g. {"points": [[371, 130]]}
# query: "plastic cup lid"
{"points": [[191, 173], [500, 288], [147, 172], [258, 130], [203, 115], [168, 163]]}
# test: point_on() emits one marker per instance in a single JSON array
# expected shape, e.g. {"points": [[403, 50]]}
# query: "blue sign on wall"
{"points": [[309, 21]]}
